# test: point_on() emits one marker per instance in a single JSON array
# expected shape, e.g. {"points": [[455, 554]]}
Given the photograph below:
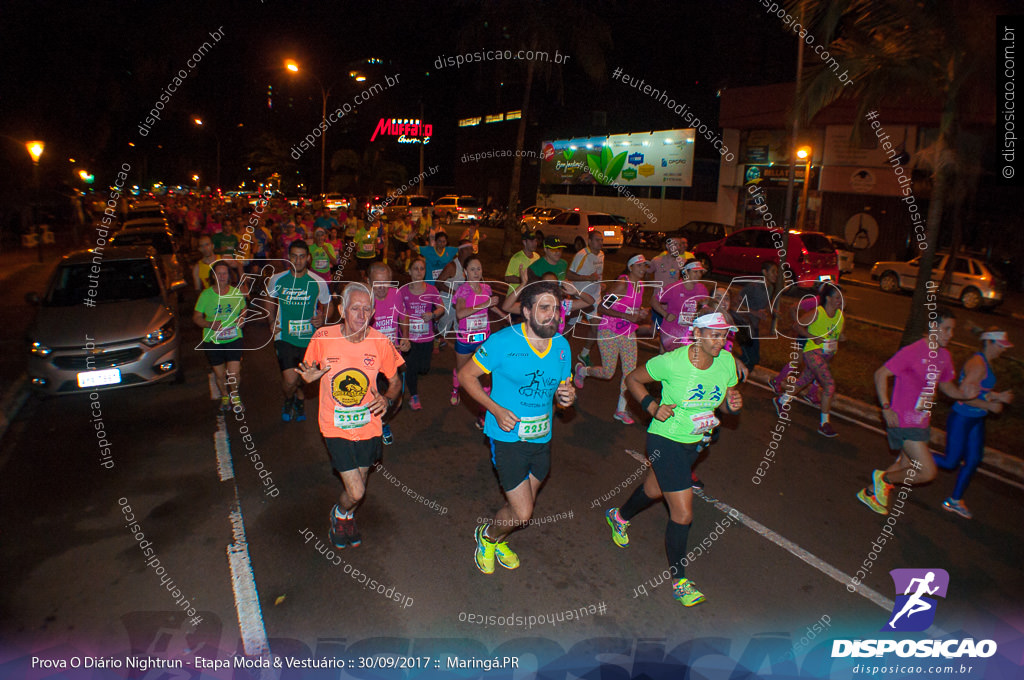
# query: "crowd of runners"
{"points": [[369, 344]]}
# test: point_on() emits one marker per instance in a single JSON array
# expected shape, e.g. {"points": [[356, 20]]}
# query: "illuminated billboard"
{"points": [[661, 158]]}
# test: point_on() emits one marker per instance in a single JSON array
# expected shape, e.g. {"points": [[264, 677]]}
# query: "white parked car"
{"points": [[974, 283], [573, 227]]}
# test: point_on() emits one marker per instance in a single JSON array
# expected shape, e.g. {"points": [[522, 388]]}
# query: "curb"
{"points": [[872, 415], [12, 401]]}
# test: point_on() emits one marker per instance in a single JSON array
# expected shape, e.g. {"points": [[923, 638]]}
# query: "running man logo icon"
{"points": [[914, 610]]}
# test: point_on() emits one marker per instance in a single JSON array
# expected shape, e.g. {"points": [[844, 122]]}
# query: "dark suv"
{"points": [[695, 233]]}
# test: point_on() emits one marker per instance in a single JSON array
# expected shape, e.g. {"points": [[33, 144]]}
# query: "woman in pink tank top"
{"points": [[621, 313]]}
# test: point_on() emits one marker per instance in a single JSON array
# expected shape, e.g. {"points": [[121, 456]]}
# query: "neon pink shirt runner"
{"points": [[918, 375]]}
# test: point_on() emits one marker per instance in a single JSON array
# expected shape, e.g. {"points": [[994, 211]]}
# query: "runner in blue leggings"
{"points": [[965, 427]]}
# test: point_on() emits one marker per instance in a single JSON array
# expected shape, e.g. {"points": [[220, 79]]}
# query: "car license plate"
{"points": [[108, 376], [609, 233], [825, 277]]}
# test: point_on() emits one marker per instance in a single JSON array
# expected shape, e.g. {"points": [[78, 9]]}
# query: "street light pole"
{"points": [[35, 150], [325, 92], [804, 152], [199, 122], [323, 136], [792, 142]]}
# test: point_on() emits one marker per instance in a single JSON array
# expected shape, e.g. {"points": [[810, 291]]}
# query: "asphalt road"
{"points": [[77, 580], [75, 576]]}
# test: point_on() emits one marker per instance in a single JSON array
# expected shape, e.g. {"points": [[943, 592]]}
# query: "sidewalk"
{"points": [[20, 273]]}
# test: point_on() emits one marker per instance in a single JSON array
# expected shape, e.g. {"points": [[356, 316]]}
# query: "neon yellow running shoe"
{"points": [[618, 528], [484, 553], [686, 593], [869, 500], [882, 488], [506, 557]]}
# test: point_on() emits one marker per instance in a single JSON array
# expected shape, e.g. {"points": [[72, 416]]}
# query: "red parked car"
{"points": [[811, 256]]}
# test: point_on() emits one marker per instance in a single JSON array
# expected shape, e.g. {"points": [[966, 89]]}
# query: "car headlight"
{"points": [[163, 334], [40, 350]]}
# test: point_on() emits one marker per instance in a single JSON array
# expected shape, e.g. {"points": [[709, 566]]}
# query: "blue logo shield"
{"points": [[915, 592]]}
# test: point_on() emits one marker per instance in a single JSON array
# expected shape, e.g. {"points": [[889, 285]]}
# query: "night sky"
{"points": [[82, 76]]}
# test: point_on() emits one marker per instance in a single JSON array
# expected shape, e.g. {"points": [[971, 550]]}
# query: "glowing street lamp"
{"points": [[804, 153], [199, 122], [35, 150], [293, 67], [195, 178]]}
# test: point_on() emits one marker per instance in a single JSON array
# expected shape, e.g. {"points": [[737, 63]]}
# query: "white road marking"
{"points": [[794, 549], [810, 558], [225, 468], [243, 583]]}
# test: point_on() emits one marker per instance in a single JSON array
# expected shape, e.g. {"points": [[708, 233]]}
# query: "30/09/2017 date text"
{"points": [[400, 662]]}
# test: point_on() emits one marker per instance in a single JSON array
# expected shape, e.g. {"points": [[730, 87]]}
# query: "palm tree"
{"points": [[573, 27], [271, 155], [927, 50], [370, 173]]}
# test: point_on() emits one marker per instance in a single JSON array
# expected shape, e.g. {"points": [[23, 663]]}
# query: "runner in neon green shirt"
{"points": [[695, 380], [218, 312], [321, 253]]}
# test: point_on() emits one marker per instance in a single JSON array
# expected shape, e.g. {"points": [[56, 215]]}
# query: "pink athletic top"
{"points": [[918, 375], [387, 313], [420, 330], [682, 303], [629, 303], [564, 312], [474, 328]]}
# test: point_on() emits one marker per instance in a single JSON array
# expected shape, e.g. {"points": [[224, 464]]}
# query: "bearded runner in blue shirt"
{"points": [[530, 368]]}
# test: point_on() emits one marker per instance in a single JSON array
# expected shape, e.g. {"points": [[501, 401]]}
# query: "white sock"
{"points": [[824, 418]]}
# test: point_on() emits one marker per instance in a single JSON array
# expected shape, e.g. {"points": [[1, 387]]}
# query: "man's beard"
{"points": [[548, 330]]}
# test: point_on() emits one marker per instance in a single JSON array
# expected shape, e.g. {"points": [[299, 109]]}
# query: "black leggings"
{"points": [[417, 362]]}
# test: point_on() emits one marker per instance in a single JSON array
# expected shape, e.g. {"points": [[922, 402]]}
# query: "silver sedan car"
{"points": [[106, 321], [974, 282]]}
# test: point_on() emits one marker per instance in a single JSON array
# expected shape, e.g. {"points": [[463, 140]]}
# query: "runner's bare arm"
{"points": [[637, 382], [469, 378]]}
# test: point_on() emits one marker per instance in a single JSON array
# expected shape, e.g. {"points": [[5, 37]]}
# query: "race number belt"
{"points": [[300, 327], [418, 326], [703, 422], [227, 334], [534, 427], [352, 417]]}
